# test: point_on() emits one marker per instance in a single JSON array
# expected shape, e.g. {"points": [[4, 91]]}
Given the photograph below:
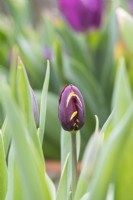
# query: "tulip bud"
{"points": [[82, 14], [71, 108], [35, 107]]}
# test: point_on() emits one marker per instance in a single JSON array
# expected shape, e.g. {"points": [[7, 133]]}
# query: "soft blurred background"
{"points": [[37, 30]]}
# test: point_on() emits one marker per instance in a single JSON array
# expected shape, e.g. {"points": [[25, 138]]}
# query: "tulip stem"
{"points": [[74, 163]]}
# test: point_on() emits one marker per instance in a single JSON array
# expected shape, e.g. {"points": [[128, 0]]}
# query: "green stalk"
{"points": [[74, 162]]}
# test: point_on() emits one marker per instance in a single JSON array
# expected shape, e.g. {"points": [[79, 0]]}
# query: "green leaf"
{"points": [[122, 96], [6, 137], [52, 187], [3, 170], [120, 127], [108, 126], [88, 164], [85, 197], [15, 190], [24, 92], [13, 70], [43, 105], [105, 166], [29, 159], [66, 150], [25, 97], [64, 187], [124, 176], [65, 146]]}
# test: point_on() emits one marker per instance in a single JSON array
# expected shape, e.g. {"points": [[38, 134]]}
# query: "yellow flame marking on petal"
{"points": [[72, 94], [75, 125], [77, 120], [73, 115]]}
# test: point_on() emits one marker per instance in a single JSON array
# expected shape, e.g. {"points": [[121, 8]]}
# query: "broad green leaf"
{"points": [[65, 151], [30, 163], [3, 170], [3, 73], [43, 105], [64, 187], [52, 187], [88, 164], [125, 21], [120, 117], [122, 96], [15, 189], [24, 92], [65, 146], [85, 197], [6, 137], [108, 126], [97, 125], [25, 97], [108, 158], [124, 177], [13, 70]]}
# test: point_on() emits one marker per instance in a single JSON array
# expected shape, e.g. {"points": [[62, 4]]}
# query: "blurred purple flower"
{"points": [[130, 4], [47, 53], [82, 14], [71, 108]]}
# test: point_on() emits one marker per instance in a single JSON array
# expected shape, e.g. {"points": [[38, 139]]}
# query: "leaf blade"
{"points": [[44, 103]]}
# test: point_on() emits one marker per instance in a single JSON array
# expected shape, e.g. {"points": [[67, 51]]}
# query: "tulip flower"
{"points": [[71, 108], [82, 14]]}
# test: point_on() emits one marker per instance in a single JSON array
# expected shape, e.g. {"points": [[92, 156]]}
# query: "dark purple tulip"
{"points": [[82, 14], [71, 108], [35, 107]]}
